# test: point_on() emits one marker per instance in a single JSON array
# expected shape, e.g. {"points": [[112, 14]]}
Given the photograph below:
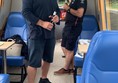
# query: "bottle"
{"points": [[54, 13]]}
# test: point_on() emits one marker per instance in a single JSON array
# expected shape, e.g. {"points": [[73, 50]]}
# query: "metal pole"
{"points": [[4, 62], [106, 14]]}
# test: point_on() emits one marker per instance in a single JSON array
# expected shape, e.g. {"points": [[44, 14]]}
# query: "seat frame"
{"points": [[23, 72]]}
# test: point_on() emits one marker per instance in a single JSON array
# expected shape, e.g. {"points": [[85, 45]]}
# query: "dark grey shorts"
{"points": [[69, 37], [40, 49]]}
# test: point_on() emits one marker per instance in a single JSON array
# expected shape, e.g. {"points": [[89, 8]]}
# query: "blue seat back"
{"points": [[89, 27], [4, 78], [16, 24], [101, 60]]}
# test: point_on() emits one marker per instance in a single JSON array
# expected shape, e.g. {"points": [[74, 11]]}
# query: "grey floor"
{"points": [[57, 64]]}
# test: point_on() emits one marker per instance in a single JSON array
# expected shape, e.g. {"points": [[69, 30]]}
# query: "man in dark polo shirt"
{"points": [[41, 42], [73, 27]]}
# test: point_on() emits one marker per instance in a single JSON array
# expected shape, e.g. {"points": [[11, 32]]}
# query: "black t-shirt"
{"points": [[75, 4], [33, 10]]}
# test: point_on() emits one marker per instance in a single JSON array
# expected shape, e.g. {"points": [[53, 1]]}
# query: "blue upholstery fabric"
{"points": [[16, 24], [78, 77], [14, 60], [4, 78], [100, 65], [90, 27], [78, 62]]}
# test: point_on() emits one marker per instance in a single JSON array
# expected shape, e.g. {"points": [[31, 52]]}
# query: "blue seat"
{"points": [[100, 65], [90, 27], [78, 77], [16, 24], [14, 61], [4, 78]]}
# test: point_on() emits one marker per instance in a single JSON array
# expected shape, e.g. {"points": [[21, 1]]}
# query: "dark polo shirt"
{"points": [[33, 10], [75, 4]]}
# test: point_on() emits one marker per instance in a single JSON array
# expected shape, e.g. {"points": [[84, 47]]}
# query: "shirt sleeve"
{"points": [[58, 12], [27, 11], [82, 4]]}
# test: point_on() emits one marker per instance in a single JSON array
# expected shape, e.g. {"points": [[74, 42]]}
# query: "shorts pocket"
{"points": [[35, 33]]}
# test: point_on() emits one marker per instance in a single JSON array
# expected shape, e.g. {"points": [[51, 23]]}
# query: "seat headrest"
{"points": [[89, 23], [16, 19]]}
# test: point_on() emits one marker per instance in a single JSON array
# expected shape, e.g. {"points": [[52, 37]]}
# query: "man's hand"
{"points": [[55, 18], [45, 24], [66, 6]]}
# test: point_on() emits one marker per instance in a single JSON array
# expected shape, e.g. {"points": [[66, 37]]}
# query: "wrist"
{"points": [[40, 23], [68, 10]]}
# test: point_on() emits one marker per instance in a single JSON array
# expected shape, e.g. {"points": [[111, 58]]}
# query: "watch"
{"points": [[68, 10]]}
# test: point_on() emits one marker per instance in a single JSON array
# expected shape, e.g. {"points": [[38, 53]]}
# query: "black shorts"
{"points": [[69, 36], [40, 49]]}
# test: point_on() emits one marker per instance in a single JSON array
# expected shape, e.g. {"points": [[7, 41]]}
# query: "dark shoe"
{"points": [[61, 72], [46, 80], [63, 56]]}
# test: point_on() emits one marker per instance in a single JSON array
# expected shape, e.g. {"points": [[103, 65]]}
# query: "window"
{"points": [[1, 3], [111, 7], [61, 2]]}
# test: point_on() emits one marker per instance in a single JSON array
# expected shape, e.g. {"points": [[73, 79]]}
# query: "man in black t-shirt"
{"points": [[41, 16], [73, 27]]}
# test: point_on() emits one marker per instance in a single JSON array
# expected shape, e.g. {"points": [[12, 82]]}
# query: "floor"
{"points": [[57, 64]]}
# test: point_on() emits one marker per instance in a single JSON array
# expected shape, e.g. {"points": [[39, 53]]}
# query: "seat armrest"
{"points": [[78, 79]]}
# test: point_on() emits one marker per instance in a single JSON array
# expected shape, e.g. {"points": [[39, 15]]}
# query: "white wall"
{"points": [[91, 8], [17, 6], [4, 11]]}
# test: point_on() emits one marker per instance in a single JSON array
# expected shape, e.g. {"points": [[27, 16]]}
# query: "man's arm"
{"points": [[27, 12], [79, 12], [80, 8], [58, 13], [45, 24], [56, 18]]}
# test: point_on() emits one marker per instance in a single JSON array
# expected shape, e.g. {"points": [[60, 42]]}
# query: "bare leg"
{"points": [[71, 65], [31, 74], [45, 69], [69, 59], [64, 51]]}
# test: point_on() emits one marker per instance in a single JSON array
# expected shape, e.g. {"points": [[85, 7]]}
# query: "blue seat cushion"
{"points": [[78, 79], [14, 60], [78, 62], [4, 78]]}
